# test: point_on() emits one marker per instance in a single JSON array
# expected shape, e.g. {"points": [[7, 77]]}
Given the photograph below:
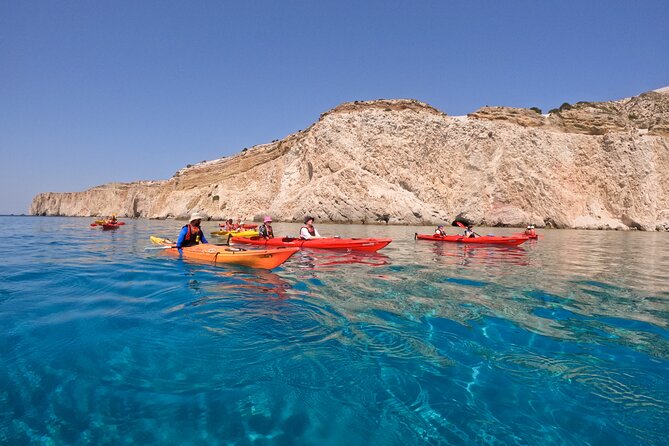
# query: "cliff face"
{"points": [[590, 165]]}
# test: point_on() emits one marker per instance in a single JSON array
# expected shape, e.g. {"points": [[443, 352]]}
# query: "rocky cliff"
{"points": [[586, 165]]}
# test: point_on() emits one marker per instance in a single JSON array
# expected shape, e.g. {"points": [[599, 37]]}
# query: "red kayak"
{"points": [[354, 244], [244, 226], [485, 240], [111, 225]]}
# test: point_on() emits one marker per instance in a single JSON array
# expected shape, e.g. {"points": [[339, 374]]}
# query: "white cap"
{"points": [[195, 216]]}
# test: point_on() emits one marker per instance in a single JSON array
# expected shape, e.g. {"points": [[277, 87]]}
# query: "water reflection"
{"points": [[471, 256], [329, 259]]}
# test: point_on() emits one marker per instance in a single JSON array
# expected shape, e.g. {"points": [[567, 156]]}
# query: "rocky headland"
{"points": [[599, 165]]}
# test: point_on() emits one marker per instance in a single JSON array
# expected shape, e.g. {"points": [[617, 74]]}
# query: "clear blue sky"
{"points": [[99, 91]]}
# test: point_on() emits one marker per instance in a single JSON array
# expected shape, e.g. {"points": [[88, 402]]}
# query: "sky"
{"points": [[99, 91]]}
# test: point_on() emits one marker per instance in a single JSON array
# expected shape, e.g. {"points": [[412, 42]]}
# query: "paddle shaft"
{"points": [[459, 223]]}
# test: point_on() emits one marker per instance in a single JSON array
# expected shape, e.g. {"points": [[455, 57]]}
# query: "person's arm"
{"points": [[182, 236], [202, 239], [316, 232]]}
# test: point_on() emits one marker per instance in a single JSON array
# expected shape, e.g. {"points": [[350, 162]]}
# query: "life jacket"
{"points": [[191, 238], [311, 231], [264, 231], [440, 232]]}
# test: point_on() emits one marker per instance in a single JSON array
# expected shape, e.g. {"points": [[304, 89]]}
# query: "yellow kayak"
{"points": [[249, 233]]}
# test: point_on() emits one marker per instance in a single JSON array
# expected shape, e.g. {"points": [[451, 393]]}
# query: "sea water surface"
{"points": [[561, 341]]}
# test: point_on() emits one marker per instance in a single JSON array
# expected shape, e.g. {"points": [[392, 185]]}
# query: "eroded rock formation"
{"points": [[587, 165]]}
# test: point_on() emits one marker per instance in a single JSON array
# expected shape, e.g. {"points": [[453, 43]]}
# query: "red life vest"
{"points": [[192, 238]]}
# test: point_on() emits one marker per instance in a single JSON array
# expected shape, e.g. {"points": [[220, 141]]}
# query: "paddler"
{"points": [[469, 232], [308, 231], [229, 226], [440, 231], [112, 219], [238, 226], [265, 230], [530, 231], [191, 234]]}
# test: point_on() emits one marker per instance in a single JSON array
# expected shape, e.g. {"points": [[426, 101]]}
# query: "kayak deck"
{"points": [[483, 240], [264, 259], [353, 244]]}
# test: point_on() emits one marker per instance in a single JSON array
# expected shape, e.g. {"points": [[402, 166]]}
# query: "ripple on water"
{"points": [[562, 341]]}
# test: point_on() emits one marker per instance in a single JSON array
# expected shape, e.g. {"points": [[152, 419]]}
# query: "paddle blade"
{"points": [[94, 224]]}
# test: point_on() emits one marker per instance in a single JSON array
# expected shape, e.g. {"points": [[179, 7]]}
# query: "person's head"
{"points": [[230, 220], [308, 220], [470, 226], [195, 219], [440, 227], [267, 219]]}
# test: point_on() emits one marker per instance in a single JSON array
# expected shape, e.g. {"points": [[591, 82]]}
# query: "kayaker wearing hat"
{"points": [[308, 231], [440, 231], [530, 231], [265, 230], [191, 234]]}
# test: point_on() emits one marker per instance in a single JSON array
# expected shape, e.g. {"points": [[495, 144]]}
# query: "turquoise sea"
{"points": [[562, 341]]}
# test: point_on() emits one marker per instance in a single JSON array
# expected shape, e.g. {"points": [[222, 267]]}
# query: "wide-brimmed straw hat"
{"points": [[195, 216]]}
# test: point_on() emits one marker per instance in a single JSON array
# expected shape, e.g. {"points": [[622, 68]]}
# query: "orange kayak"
{"points": [[265, 258]]}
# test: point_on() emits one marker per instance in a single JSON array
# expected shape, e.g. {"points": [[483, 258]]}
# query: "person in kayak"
{"points": [[238, 226], [440, 231], [265, 230], [308, 231], [229, 226], [112, 219], [530, 231], [191, 234], [469, 232]]}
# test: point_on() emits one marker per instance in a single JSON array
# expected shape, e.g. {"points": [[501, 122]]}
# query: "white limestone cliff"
{"points": [[588, 165]]}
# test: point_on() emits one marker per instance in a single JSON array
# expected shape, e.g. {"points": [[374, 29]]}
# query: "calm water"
{"points": [[560, 341]]}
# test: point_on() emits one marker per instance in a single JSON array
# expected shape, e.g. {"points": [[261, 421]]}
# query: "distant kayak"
{"points": [[264, 259], [244, 226], [249, 233], [355, 244], [111, 225], [483, 240], [106, 222]]}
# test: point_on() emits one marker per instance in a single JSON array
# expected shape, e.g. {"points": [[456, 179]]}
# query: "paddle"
{"points": [[94, 224], [459, 223]]}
